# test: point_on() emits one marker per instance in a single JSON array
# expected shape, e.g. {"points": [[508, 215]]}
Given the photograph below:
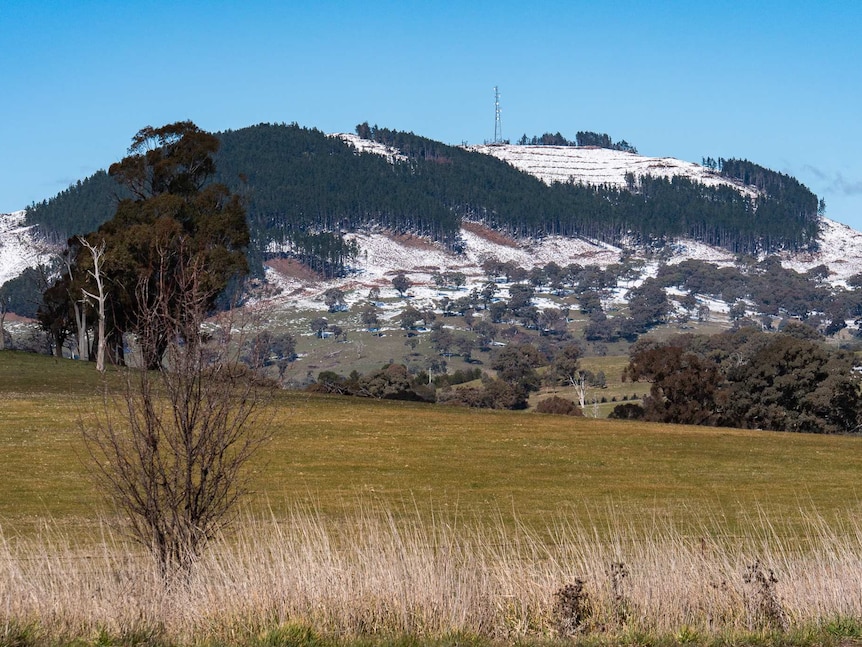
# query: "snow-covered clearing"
{"points": [[19, 247], [597, 166], [840, 250], [368, 146]]}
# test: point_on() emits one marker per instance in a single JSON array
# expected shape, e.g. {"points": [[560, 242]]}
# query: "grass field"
{"points": [[522, 502], [337, 453]]}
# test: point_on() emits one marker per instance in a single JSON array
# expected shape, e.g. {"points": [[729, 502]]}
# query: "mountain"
{"points": [[299, 182], [409, 203]]}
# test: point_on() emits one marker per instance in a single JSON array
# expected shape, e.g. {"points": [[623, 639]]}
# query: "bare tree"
{"points": [[172, 455], [98, 254], [79, 308], [579, 381]]}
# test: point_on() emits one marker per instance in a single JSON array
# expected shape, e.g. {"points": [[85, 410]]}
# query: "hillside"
{"points": [[20, 246], [382, 255], [298, 181], [470, 204]]}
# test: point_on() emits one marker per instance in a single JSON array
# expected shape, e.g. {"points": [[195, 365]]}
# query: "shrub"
{"points": [[627, 411], [493, 394], [560, 406], [572, 609]]}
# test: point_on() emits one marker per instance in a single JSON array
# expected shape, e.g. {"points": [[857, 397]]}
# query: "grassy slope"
{"points": [[340, 453]]}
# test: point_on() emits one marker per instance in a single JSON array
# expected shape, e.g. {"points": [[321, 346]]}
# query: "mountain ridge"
{"points": [[296, 180], [551, 165]]}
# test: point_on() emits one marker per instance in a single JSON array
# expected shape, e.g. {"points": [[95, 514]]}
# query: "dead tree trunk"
{"points": [[96, 273], [4, 307]]}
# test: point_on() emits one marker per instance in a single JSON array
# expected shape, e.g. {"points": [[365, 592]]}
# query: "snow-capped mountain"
{"points": [[382, 254]]}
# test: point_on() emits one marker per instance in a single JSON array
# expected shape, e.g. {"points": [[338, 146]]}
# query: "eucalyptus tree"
{"points": [[174, 219]]}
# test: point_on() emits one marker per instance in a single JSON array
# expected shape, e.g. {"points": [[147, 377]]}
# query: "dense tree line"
{"points": [[81, 208], [326, 252], [516, 377], [583, 138], [653, 209], [391, 382], [297, 179], [297, 182], [745, 378]]}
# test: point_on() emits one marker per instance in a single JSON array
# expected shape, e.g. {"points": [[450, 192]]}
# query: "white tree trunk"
{"points": [[96, 273], [81, 323], [580, 384]]}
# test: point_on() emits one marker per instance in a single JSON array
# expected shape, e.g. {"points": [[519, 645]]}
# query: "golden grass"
{"points": [[328, 450], [375, 575]]}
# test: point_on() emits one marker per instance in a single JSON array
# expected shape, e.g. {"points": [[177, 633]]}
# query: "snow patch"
{"points": [[20, 248], [369, 146], [840, 249], [602, 166]]}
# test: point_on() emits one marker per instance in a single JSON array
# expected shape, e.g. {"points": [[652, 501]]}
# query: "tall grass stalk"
{"points": [[384, 574]]}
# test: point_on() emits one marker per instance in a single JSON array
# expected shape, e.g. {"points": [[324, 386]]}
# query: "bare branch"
{"points": [[174, 460]]}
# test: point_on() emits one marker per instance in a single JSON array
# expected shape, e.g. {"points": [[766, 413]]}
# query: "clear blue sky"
{"points": [[775, 82]]}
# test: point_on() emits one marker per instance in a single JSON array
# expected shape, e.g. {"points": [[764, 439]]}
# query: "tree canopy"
{"points": [[175, 219], [746, 378]]}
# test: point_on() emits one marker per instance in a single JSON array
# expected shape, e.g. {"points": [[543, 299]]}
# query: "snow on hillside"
{"points": [[597, 166], [368, 146], [840, 250], [19, 248], [382, 254], [579, 164]]}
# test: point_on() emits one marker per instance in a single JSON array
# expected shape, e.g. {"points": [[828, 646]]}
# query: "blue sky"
{"points": [[774, 82]]}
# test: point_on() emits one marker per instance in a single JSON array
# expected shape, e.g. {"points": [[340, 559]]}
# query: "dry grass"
{"points": [[375, 575], [496, 237]]}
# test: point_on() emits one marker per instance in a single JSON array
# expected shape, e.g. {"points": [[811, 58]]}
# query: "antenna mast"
{"points": [[498, 124]]}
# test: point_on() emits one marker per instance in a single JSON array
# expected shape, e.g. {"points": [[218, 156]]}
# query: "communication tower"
{"points": [[498, 124]]}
